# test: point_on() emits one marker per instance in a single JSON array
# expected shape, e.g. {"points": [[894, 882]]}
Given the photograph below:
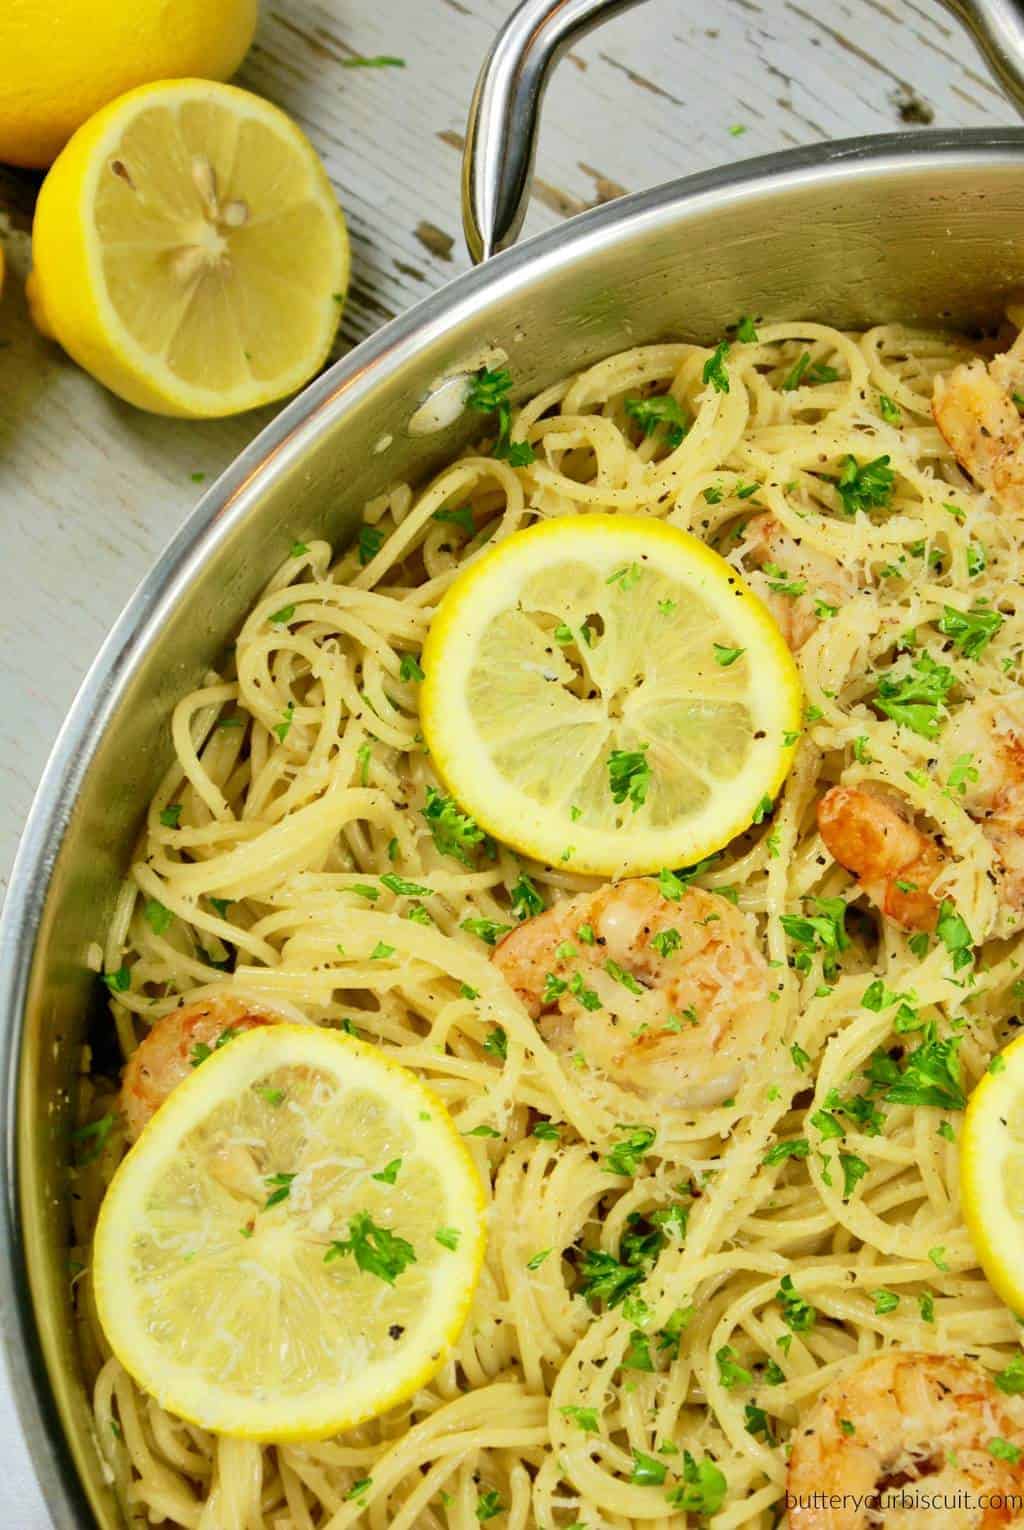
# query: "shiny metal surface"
{"points": [[998, 29], [858, 232], [504, 115]]}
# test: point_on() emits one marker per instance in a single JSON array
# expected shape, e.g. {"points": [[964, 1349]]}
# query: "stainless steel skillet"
{"points": [[927, 229]]}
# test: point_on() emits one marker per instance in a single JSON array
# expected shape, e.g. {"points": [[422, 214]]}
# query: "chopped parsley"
{"points": [[626, 1156], [584, 1418], [825, 932], [371, 540], [726, 656], [629, 775], [703, 1488], [889, 411], [376, 1250], [971, 631], [403, 888], [496, 1042], [1011, 1379], [170, 816], [488, 930], [917, 698], [715, 371], [649, 413], [730, 1372], [854, 1170], [158, 918], [885, 1301], [793, 1147], [797, 1314], [863, 486], [488, 1505], [410, 668], [282, 1189], [389, 1173], [454, 832], [448, 1237], [488, 394], [526, 898], [952, 930]]}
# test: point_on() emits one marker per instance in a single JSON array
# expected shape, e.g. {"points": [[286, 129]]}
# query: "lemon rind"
{"points": [[461, 758], [327, 1411]]}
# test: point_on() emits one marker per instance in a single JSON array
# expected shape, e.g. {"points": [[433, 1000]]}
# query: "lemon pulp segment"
{"points": [[189, 250], [212, 1275], [585, 647]]}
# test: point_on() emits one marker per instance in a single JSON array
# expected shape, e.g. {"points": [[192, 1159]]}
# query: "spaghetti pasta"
{"points": [[642, 1343]]}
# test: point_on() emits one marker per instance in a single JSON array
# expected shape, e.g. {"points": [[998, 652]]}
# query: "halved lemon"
{"points": [[992, 1173], [189, 251], [292, 1245], [604, 692]]}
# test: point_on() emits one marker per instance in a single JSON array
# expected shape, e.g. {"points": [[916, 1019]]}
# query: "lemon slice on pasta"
{"points": [[992, 1173], [604, 692], [292, 1245]]}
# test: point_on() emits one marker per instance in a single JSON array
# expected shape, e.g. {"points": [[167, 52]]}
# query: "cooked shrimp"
{"points": [[895, 863], [902, 1428], [976, 411], [169, 1053], [781, 558], [986, 740], [666, 998]]}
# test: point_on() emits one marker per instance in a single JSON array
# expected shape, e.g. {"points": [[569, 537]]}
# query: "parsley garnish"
{"points": [[283, 728], [794, 1147], [158, 918], [703, 1488], [488, 1505], [376, 1250], [797, 1314], [448, 1237], [889, 411], [971, 631], [96, 1134], [917, 699], [864, 485], [526, 898], [726, 656], [715, 371], [662, 410], [371, 540], [410, 668], [885, 1301], [496, 1042], [730, 1372], [403, 888], [389, 1173], [629, 775], [1011, 1379], [626, 1156], [955, 936], [454, 832], [585, 1418], [603, 1278], [488, 930], [170, 816], [282, 1190], [488, 394]]}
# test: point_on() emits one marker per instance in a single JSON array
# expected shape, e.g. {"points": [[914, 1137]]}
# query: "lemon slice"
{"points": [[292, 1245], [992, 1173], [189, 251], [576, 703]]}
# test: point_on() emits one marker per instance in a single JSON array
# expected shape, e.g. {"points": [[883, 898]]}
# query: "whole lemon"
{"points": [[61, 60]]}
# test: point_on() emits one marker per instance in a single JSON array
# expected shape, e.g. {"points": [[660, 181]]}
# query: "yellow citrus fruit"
{"points": [[992, 1173], [604, 692], [189, 251], [61, 60], [292, 1245]]}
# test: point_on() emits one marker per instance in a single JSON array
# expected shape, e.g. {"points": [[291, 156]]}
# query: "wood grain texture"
{"points": [[90, 489]]}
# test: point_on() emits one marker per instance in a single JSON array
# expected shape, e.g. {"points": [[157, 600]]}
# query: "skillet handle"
{"points": [[997, 26], [501, 135]]}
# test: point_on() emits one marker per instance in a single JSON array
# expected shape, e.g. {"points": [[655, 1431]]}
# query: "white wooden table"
{"points": [[90, 489]]}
